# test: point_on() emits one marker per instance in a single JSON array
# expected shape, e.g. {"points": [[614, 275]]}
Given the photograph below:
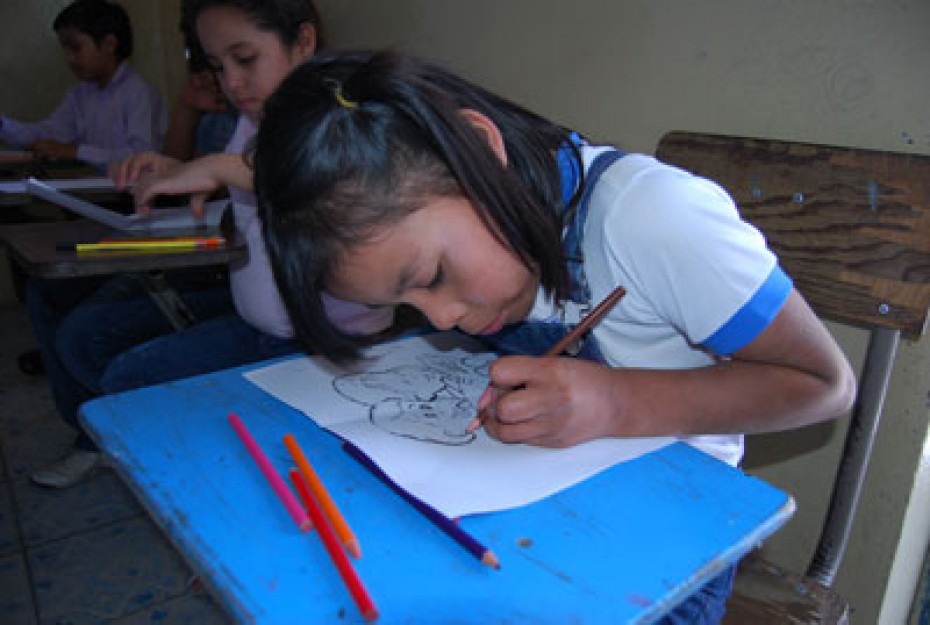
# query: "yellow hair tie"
{"points": [[343, 101]]}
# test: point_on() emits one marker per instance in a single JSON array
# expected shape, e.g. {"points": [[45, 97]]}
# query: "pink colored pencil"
{"points": [[277, 483]]}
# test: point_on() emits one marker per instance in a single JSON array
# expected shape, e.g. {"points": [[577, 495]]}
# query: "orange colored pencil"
{"points": [[322, 496], [352, 581]]}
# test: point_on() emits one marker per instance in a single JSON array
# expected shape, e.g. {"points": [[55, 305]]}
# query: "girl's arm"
{"points": [[199, 178], [793, 374]]}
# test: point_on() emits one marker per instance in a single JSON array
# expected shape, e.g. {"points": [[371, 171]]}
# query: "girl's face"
{"points": [[442, 260], [249, 62]]}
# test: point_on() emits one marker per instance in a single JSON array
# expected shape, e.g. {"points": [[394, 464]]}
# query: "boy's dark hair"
{"points": [[354, 141], [97, 19], [282, 17]]}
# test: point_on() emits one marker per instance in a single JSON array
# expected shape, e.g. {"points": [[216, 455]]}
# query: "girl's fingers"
{"points": [[197, 204]]}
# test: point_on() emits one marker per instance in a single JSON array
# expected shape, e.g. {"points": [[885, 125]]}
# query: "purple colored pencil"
{"points": [[444, 523]]}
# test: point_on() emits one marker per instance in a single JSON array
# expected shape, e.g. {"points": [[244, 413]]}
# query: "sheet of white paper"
{"points": [[62, 184], [407, 407], [157, 219]]}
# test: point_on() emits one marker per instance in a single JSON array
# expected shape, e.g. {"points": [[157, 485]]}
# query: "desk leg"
{"points": [[167, 299]]}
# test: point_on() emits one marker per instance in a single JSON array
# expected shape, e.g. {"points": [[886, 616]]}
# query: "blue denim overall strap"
{"points": [[535, 337], [574, 220]]}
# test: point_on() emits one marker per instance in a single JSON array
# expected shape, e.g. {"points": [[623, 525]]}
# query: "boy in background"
{"points": [[113, 112]]}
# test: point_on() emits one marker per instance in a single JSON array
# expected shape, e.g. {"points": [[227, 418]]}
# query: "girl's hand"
{"points": [[126, 173], [550, 402], [202, 93], [198, 178]]}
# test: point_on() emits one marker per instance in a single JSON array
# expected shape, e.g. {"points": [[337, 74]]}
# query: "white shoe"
{"points": [[73, 468]]}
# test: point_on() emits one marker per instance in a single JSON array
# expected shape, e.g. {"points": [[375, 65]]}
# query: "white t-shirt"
{"points": [[697, 277]]}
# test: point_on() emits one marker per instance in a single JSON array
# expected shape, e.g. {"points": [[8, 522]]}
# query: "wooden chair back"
{"points": [[852, 228]]}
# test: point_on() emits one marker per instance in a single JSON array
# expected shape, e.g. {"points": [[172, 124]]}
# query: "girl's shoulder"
{"points": [[640, 198], [642, 177]]}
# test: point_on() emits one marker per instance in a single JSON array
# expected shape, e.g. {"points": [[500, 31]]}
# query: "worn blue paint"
{"points": [[623, 546]]}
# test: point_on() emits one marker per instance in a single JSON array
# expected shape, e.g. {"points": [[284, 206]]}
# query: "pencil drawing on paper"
{"points": [[431, 400]]}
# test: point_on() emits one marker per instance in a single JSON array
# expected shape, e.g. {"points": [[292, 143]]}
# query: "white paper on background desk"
{"points": [[62, 184], [407, 407], [156, 219]]}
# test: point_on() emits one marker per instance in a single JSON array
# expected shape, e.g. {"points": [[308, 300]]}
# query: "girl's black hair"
{"points": [[283, 17], [352, 141], [97, 19]]}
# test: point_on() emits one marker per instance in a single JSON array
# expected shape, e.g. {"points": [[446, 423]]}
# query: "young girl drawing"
{"points": [[385, 180]]}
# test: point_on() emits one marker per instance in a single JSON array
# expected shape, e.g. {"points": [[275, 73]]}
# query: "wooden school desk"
{"points": [[622, 547], [34, 246]]}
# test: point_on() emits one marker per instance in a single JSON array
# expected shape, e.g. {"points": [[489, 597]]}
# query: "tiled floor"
{"points": [[88, 554]]}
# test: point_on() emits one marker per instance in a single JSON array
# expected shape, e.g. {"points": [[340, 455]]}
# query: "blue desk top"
{"points": [[624, 546]]}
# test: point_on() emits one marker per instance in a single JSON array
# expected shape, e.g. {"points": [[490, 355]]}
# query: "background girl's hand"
{"points": [[127, 172], [202, 93], [551, 402], [196, 178]]}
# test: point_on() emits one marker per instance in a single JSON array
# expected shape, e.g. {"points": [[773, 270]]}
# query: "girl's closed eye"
{"points": [[246, 60]]}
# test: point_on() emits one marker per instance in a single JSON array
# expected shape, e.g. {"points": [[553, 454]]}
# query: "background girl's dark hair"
{"points": [[282, 17], [352, 141], [97, 19]]}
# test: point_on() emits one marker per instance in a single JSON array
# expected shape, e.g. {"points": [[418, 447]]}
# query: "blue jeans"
{"points": [[47, 303], [211, 345], [68, 317], [121, 315], [706, 606]]}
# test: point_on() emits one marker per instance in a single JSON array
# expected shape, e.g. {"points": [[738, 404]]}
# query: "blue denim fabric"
{"points": [[47, 303], [214, 131], [574, 220], [534, 338], [211, 345], [121, 315], [706, 606], [82, 324]]}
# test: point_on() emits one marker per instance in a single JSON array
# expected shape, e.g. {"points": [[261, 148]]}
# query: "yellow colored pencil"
{"points": [[150, 245], [326, 502]]}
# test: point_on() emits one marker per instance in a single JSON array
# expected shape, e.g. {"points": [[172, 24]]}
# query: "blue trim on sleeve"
{"points": [[754, 317]]}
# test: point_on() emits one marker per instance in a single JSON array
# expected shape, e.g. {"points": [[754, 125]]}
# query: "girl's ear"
{"points": [[305, 44], [489, 130]]}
